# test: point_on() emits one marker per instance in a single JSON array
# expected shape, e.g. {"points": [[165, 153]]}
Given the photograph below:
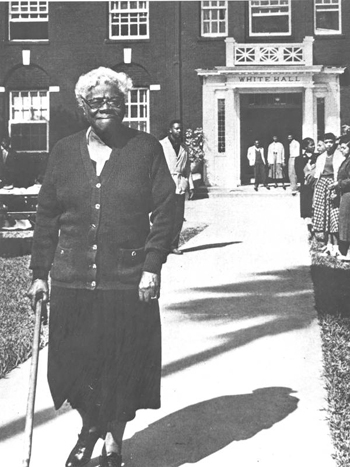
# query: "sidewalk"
{"points": [[242, 358]]}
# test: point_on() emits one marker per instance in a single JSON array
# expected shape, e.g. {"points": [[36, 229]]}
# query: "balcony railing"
{"points": [[269, 54]]}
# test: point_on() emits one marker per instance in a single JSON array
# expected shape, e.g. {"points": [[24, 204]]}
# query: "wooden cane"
{"points": [[28, 431]]}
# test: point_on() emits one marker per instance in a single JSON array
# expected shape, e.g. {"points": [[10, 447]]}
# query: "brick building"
{"points": [[240, 69]]}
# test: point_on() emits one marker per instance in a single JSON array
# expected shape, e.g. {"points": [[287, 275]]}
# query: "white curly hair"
{"points": [[100, 75]]}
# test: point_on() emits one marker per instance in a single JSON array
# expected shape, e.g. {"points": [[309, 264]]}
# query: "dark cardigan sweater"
{"points": [[94, 232]]}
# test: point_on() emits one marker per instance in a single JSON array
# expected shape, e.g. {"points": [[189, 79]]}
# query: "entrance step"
{"points": [[221, 192]]}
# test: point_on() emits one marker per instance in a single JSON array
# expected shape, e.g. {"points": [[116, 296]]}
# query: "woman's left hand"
{"points": [[149, 287]]}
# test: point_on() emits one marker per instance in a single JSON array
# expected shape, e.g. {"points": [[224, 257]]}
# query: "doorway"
{"points": [[264, 115]]}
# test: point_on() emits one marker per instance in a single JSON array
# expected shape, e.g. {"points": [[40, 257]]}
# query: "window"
{"points": [[29, 120], [28, 21], [137, 114], [214, 18], [221, 126], [128, 20], [327, 17], [270, 17]]}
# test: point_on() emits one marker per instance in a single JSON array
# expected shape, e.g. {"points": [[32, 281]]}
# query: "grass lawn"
{"points": [[16, 317], [331, 280]]}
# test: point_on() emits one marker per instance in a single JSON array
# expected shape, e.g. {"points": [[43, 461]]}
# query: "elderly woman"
{"points": [[93, 235]]}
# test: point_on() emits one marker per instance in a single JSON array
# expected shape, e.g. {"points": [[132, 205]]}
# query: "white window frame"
{"points": [[115, 9], [270, 4], [29, 108], [321, 5], [128, 119], [28, 11], [210, 5]]}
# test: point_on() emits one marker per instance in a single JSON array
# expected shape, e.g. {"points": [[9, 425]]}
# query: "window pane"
{"points": [[28, 20], [214, 18], [327, 20], [128, 19], [270, 17], [29, 136], [29, 120], [270, 24], [221, 126], [136, 115]]}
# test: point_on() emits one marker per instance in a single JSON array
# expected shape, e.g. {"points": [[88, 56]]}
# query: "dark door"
{"points": [[264, 118]]}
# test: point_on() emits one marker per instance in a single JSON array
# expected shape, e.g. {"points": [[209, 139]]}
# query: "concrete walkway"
{"points": [[242, 364]]}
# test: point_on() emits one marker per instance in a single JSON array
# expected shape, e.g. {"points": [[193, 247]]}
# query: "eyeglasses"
{"points": [[97, 103]]}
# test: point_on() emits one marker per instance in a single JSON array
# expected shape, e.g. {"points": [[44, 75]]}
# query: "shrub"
{"points": [[194, 140]]}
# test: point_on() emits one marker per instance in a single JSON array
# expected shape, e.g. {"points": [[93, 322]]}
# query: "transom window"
{"points": [[214, 18], [128, 20], [137, 109], [328, 17], [270, 17], [29, 120], [28, 20]]}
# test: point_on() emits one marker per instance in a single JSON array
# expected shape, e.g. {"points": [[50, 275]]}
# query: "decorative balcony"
{"points": [[269, 54]]}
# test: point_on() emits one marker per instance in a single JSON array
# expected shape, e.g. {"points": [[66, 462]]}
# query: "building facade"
{"points": [[240, 69]]}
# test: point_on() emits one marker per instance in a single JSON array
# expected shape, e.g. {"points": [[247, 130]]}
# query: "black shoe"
{"points": [[82, 451], [110, 460], [267, 187], [176, 251], [256, 188]]}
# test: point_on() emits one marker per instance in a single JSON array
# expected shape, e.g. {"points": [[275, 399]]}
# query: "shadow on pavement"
{"points": [[16, 427], [199, 430], [280, 298], [207, 246]]}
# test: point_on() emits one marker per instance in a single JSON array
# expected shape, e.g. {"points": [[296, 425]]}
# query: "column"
{"points": [[233, 138], [209, 125], [308, 113], [332, 106]]}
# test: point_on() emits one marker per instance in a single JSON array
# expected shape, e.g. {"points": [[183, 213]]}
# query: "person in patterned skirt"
{"points": [[325, 204]]}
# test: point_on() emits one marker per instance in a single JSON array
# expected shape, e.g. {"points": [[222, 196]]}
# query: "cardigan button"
{"points": [[97, 206], [133, 253], [98, 185], [93, 284], [94, 247]]}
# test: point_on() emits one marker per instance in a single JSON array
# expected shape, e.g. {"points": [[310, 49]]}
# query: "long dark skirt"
{"points": [[344, 218], [104, 353], [306, 197]]}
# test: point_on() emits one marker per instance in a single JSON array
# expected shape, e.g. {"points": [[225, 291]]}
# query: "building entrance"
{"points": [[264, 115]]}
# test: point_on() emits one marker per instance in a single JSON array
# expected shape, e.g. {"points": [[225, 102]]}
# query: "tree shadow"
{"points": [[207, 246], [41, 417], [277, 299], [197, 431]]}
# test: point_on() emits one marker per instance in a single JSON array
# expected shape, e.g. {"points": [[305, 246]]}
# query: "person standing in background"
{"points": [[7, 164], [257, 160], [294, 152], [177, 157], [276, 161], [325, 206]]}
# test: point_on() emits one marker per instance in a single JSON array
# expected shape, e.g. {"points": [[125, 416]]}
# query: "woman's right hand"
{"points": [[38, 289]]}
